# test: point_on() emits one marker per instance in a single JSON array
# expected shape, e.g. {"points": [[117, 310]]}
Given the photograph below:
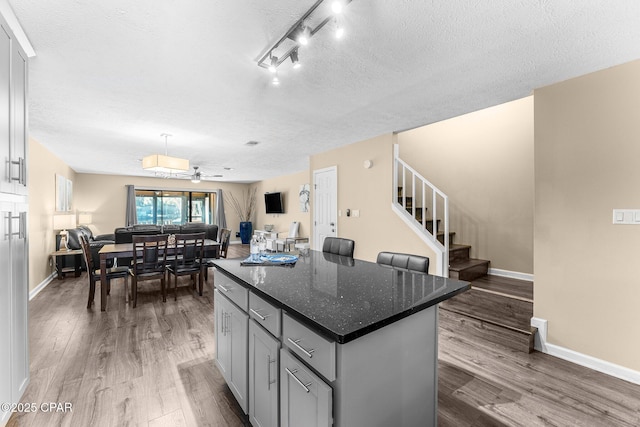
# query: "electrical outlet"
{"points": [[356, 213]]}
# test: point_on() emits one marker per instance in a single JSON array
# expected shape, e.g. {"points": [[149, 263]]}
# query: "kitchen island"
{"points": [[330, 341]]}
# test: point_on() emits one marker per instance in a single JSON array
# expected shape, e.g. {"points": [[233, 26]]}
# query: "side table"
{"points": [[60, 265]]}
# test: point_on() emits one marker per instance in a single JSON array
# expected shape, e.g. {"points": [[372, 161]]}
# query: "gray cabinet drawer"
{"points": [[305, 399], [265, 314], [314, 349], [232, 290]]}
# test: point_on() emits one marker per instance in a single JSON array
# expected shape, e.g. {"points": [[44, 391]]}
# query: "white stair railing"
{"points": [[414, 197]]}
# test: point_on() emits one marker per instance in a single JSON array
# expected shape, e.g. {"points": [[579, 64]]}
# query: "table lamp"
{"points": [[63, 222]]}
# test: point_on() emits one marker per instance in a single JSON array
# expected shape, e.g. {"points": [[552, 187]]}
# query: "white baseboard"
{"points": [[581, 359], [511, 274], [35, 291]]}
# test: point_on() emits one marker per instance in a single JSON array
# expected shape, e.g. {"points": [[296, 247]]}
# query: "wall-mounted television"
{"points": [[273, 203]]}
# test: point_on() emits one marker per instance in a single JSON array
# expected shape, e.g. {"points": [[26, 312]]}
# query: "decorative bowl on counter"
{"points": [[268, 227]]}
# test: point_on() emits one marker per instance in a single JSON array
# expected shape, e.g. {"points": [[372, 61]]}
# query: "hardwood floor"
{"points": [[153, 366]]}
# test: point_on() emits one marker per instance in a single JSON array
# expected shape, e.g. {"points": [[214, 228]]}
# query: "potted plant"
{"points": [[245, 210]]}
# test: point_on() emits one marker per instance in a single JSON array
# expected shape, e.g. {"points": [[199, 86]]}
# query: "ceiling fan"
{"points": [[196, 176]]}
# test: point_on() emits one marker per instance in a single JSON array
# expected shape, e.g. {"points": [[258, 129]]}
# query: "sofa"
{"points": [[73, 242], [125, 234]]}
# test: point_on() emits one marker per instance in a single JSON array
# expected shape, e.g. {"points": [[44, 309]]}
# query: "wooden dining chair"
{"points": [[187, 261], [225, 236], [93, 271], [149, 262]]}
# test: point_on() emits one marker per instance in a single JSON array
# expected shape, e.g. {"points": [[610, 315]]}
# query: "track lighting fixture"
{"points": [[275, 81], [300, 33]]}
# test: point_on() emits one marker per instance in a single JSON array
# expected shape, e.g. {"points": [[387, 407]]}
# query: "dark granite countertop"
{"points": [[340, 297]]}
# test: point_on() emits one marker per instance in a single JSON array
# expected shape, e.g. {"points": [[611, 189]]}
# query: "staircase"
{"points": [[461, 265], [495, 308]]}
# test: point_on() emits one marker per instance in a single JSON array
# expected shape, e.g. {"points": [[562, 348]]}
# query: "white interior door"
{"points": [[325, 205]]}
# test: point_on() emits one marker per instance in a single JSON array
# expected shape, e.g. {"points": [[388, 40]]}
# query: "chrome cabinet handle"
{"points": [[269, 362], [21, 178], [23, 171], [260, 316], [15, 162], [22, 225], [222, 288], [222, 325], [225, 324], [303, 385], [7, 218], [22, 231], [308, 353]]}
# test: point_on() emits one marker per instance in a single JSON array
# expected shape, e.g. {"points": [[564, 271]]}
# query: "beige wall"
{"points": [[289, 185], [587, 154], [484, 162], [43, 167], [369, 190]]}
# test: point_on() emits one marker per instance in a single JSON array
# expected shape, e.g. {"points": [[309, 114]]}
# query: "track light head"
{"points": [[273, 66], [275, 81], [304, 35], [339, 29], [294, 59]]}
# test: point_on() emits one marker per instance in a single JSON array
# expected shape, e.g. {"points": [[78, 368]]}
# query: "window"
{"points": [[164, 207]]}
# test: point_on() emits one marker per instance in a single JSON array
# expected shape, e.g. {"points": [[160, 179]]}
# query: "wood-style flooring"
{"points": [[153, 366]]}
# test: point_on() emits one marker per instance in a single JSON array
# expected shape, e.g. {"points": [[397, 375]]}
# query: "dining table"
{"points": [[125, 250]]}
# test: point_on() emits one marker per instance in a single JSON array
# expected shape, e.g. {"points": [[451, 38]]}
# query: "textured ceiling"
{"points": [[111, 76]]}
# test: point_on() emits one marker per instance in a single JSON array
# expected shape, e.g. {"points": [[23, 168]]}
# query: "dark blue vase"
{"points": [[245, 231]]}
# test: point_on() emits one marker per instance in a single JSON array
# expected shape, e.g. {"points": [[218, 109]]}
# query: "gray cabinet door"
{"points": [[263, 377], [305, 399], [222, 341], [6, 185], [232, 347], [18, 149], [5, 311], [19, 301]]}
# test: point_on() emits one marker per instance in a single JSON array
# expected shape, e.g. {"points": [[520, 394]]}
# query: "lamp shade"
{"points": [[63, 222], [167, 164], [84, 218]]}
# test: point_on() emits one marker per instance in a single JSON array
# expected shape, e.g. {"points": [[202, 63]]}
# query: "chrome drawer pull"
{"points": [[302, 349], [260, 316], [269, 362], [303, 385], [222, 288]]}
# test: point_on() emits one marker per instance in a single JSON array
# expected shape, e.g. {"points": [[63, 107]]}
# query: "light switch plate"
{"points": [[626, 216]]}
